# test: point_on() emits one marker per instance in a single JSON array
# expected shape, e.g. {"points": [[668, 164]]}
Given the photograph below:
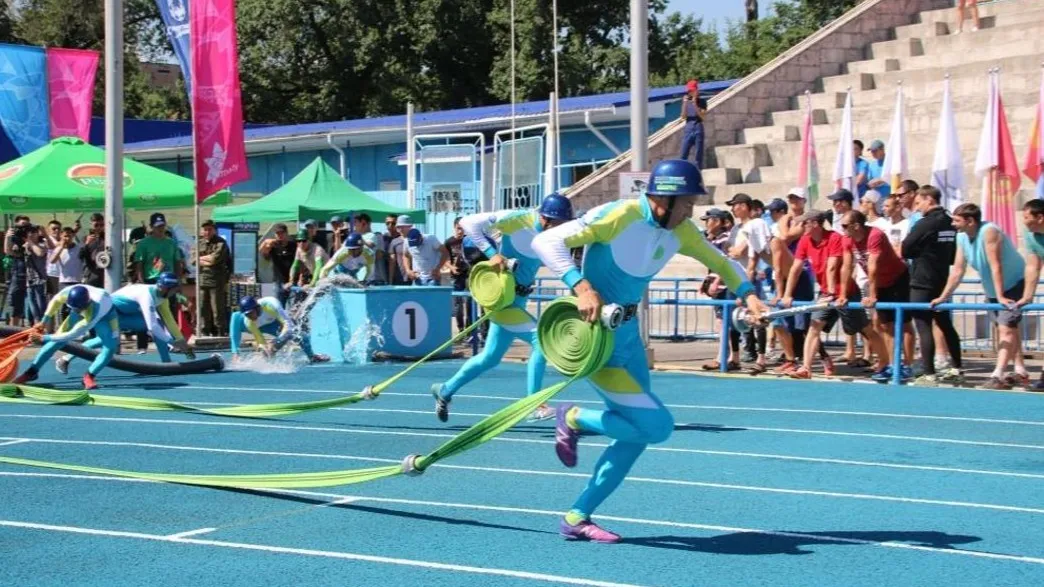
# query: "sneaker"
{"points": [[1017, 379], [942, 364], [544, 412], [587, 530], [566, 438], [883, 376], [1038, 385], [995, 383], [62, 365], [917, 369], [141, 352], [27, 376], [927, 381], [952, 376], [88, 382], [441, 405], [787, 368], [800, 373], [319, 358], [906, 373], [828, 367]]}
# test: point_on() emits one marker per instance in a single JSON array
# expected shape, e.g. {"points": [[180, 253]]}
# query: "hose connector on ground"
{"points": [[409, 466], [369, 393]]}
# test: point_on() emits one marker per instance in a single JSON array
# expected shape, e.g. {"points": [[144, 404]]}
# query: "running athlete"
{"points": [[90, 307], [352, 258], [266, 316], [517, 228], [137, 307], [627, 242]]}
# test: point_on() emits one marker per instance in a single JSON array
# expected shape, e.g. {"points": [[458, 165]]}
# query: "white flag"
{"points": [[896, 163], [947, 168], [844, 168], [987, 159]]}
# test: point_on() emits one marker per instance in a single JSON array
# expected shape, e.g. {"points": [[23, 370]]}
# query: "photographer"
{"points": [[66, 259], [93, 275], [36, 272], [14, 247]]}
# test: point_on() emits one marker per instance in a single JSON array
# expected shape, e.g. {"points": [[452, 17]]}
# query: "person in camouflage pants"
{"points": [[215, 269]]}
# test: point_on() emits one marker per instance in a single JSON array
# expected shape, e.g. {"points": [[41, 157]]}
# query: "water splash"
{"points": [[357, 350], [299, 311], [283, 362]]}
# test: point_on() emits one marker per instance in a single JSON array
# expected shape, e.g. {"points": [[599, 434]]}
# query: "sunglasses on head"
{"points": [[845, 226]]}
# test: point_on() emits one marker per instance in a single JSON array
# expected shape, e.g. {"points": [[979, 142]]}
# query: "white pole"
{"points": [[411, 157], [114, 142], [552, 143], [511, 202], [557, 161], [639, 114]]}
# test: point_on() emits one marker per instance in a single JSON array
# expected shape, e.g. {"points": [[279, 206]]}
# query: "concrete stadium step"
{"points": [[938, 23], [986, 9], [1009, 66], [722, 176], [743, 157], [884, 98], [993, 42], [760, 191]]}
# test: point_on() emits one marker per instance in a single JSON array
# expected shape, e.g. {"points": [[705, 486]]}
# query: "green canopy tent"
{"points": [[68, 174], [319, 193]]}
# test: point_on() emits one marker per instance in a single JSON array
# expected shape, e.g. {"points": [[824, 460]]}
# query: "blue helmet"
{"points": [[354, 240], [675, 177], [557, 207], [168, 282], [79, 298], [248, 304]]}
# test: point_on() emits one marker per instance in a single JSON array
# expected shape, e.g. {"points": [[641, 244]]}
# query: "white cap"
{"points": [[403, 220], [872, 196], [799, 192]]}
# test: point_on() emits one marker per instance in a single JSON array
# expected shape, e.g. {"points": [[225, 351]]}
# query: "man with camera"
{"points": [[14, 247], [93, 274]]}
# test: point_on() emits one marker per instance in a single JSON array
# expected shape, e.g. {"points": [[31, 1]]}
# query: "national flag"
{"points": [[808, 171], [948, 166], [844, 167], [1034, 168], [997, 166]]}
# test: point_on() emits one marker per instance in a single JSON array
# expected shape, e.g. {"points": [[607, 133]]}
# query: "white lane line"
{"points": [[349, 430], [677, 406], [769, 456], [308, 552], [651, 480], [814, 538], [196, 532], [14, 441]]}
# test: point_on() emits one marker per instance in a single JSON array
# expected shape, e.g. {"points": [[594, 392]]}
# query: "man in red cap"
{"points": [[693, 110]]}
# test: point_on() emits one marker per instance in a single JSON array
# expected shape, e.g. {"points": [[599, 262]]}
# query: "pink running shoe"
{"points": [[587, 530], [565, 437]]}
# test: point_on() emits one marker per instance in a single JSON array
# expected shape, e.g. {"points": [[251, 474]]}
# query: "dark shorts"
{"points": [[804, 291], [898, 292], [1009, 317], [852, 321]]}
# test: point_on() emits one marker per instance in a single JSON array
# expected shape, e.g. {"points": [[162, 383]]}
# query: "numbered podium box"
{"points": [[401, 322]]}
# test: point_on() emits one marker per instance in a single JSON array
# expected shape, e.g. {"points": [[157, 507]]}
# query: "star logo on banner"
{"points": [[215, 163]]}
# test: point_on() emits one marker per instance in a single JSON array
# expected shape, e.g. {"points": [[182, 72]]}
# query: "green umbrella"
{"points": [[69, 174], [318, 193]]}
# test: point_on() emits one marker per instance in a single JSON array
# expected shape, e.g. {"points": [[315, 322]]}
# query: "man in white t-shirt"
{"points": [[65, 258], [893, 224], [753, 243], [425, 257]]}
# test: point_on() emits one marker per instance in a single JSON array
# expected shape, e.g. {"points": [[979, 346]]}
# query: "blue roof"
{"points": [[461, 116]]}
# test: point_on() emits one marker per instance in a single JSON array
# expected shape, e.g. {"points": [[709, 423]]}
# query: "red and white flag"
{"points": [[808, 166], [997, 166], [844, 166], [217, 109]]}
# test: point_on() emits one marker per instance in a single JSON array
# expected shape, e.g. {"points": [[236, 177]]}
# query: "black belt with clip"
{"points": [[523, 290], [630, 311]]}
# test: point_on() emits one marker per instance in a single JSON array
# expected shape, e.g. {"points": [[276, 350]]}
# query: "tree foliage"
{"points": [[311, 60]]}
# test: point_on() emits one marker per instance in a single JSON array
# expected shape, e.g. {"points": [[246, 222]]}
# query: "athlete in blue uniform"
{"points": [[627, 242], [91, 307], [517, 228], [266, 316], [352, 259]]}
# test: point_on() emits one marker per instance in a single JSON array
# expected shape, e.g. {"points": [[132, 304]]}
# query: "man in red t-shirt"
{"points": [[823, 250], [888, 279]]}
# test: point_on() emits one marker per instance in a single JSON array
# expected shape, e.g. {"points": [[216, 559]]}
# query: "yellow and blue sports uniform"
{"points": [[517, 228], [272, 320], [137, 307], [625, 247], [361, 267], [99, 315]]}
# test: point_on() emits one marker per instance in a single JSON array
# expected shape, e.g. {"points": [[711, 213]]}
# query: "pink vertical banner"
{"points": [[70, 88], [217, 109]]}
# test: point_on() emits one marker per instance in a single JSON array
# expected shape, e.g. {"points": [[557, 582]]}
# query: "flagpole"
{"points": [[114, 142]]}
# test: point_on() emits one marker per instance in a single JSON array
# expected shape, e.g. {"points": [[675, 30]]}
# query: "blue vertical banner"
{"points": [[23, 96], [175, 15]]}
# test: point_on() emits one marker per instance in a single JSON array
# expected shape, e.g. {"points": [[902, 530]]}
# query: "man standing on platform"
{"points": [[215, 270]]}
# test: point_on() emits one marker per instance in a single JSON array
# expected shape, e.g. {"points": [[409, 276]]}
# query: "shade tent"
{"points": [[68, 174], [318, 193]]}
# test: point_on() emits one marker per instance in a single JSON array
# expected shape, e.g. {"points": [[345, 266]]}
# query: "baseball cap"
{"points": [[157, 219], [812, 215], [872, 196], [208, 223], [403, 220], [336, 219], [797, 193], [740, 199], [302, 234], [714, 213], [877, 144], [841, 194], [692, 85], [414, 237], [776, 205], [310, 223]]}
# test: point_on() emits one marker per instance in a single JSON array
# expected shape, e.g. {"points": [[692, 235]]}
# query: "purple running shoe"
{"points": [[587, 530], [565, 437]]}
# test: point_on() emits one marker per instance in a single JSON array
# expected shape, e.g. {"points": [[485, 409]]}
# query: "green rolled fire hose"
{"points": [[492, 289], [574, 347]]}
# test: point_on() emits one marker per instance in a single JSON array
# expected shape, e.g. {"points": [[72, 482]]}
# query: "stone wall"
{"points": [[770, 88]]}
